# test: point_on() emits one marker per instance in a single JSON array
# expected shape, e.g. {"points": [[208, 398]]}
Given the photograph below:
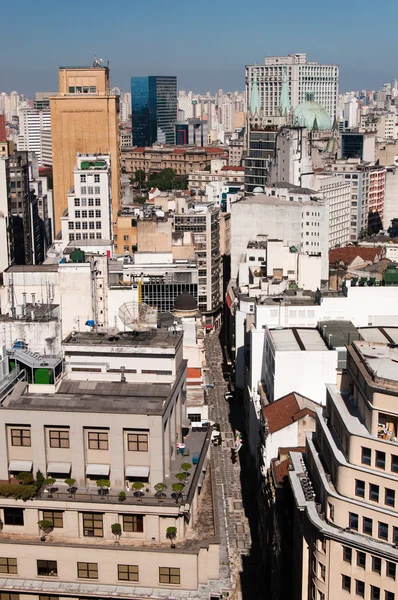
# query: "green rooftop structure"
{"points": [[312, 115]]}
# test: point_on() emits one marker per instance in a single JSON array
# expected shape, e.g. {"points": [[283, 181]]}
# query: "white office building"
{"points": [[35, 132], [302, 77]]}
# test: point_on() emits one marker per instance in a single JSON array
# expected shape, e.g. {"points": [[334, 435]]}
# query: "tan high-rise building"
{"points": [[84, 119]]}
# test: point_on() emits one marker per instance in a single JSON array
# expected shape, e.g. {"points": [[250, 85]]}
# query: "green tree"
{"points": [[70, 483], [25, 478], [207, 168], [138, 486], [178, 488], [171, 534], [160, 489], [116, 529], [186, 466], [49, 483], [103, 485], [181, 477]]}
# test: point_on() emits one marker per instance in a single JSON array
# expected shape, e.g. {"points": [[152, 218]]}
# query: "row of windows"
{"points": [[85, 236], [374, 492], [82, 89], [84, 214], [86, 570], [375, 592], [89, 190], [87, 202], [85, 225], [83, 178], [367, 527], [97, 440], [375, 560], [93, 525], [379, 459]]}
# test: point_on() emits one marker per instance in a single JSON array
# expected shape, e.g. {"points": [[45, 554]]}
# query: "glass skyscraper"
{"points": [[154, 109]]}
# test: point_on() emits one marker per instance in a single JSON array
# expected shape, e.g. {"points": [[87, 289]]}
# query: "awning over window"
{"points": [[97, 469], [59, 467], [137, 471], [20, 466]]}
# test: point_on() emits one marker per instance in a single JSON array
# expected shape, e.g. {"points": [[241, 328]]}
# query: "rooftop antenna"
{"points": [[97, 61]]}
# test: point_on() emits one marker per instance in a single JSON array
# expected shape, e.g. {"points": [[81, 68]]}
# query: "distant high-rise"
{"points": [[302, 77], [84, 119], [154, 109]]}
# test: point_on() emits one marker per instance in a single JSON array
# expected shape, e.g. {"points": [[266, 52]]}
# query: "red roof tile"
{"points": [[228, 168], [179, 151], [348, 254], [138, 149], [284, 412]]}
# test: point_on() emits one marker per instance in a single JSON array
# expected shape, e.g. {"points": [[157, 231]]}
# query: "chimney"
{"points": [[33, 299]]}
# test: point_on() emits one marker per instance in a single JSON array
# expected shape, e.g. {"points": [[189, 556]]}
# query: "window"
{"points": [[71, 225], [390, 569], [83, 190], [346, 583], [90, 190], [47, 597], [77, 226], [134, 523], [91, 201], [84, 200], [96, 178], [390, 497], [13, 516], [84, 214], [91, 214], [77, 214], [360, 588], [353, 521], [366, 456], [98, 202], [137, 442], [87, 570], [98, 236], [367, 525], [360, 488], [98, 226], [71, 89], [8, 565], [6, 596], [20, 437], [97, 214], [59, 439], [323, 571], [376, 564], [380, 459], [347, 554], [383, 531], [71, 237], [169, 575], [361, 559], [82, 179], [92, 525], [97, 440], [374, 593], [77, 201], [374, 492], [55, 516], [389, 595], [47, 568], [127, 572], [394, 463]]}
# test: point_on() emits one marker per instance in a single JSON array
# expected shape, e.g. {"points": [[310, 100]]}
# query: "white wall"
{"points": [[284, 438]]}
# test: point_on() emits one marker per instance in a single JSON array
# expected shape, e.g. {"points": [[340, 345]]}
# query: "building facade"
{"points": [[33, 123], [154, 109], [158, 157]]}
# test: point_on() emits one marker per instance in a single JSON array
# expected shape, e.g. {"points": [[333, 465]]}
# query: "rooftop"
{"points": [[348, 254], [295, 189], [32, 268], [380, 359], [272, 200], [291, 340], [155, 338], [340, 332], [287, 410]]}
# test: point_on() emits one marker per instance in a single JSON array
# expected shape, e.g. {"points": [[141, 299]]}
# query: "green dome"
{"points": [[312, 115]]}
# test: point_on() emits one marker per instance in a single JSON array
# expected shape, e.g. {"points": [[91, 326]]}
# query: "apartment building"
{"points": [[33, 123], [345, 517]]}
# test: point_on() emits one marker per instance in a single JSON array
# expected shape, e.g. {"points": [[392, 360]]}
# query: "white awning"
{"points": [[137, 471], [59, 467], [97, 469], [20, 466]]}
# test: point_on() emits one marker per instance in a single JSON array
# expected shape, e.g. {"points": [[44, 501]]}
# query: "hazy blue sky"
{"points": [[206, 44]]}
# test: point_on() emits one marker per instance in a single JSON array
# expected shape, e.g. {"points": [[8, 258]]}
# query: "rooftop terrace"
{"points": [[157, 338]]}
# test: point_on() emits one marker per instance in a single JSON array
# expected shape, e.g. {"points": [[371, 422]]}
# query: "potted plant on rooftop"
{"points": [[116, 529], [160, 489], [103, 486], [49, 485], [25, 478], [178, 488], [45, 527], [138, 486], [71, 486], [171, 534], [186, 466]]}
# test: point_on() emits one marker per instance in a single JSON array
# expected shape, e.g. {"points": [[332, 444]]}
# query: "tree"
{"points": [[45, 527], [49, 483], [181, 476], [138, 486], [171, 534], [178, 488], [25, 478], [160, 489], [103, 486], [186, 466], [71, 484], [39, 479], [116, 529], [139, 177]]}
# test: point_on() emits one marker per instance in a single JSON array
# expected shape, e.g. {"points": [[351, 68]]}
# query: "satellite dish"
{"points": [[138, 316]]}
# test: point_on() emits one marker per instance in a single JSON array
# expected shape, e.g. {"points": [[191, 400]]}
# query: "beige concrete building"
{"points": [[345, 516], [84, 119]]}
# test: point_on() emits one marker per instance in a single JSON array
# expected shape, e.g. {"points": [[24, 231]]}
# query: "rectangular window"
{"points": [[127, 572], [71, 237], [169, 575], [8, 565], [133, 523], [91, 225], [84, 200], [390, 497], [90, 190], [394, 463], [390, 569], [374, 593], [353, 521], [98, 236], [71, 89], [91, 214], [137, 442], [389, 595], [367, 525], [376, 564], [346, 583], [59, 439], [20, 437], [380, 459], [360, 588], [78, 226], [71, 225], [77, 201], [347, 554], [13, 516], [361, 559], [98, 202], [91, 201], [97, 440], [360, 488], [82, 179], [374, 492], [97, 214], [93, 525], [55, 516], [366, 456], [77, 214], [84, 214], [87, 570], [47, 568], [96, 178], [98, 225], [48, 597], [83, 190], [383, 531]]}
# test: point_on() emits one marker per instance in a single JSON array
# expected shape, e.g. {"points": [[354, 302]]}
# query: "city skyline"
{"points": [[219, 63]]}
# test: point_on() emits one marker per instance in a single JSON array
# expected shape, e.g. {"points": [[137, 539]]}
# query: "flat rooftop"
{"points": [[291, 340], [273, 200], [94, 396], [32, 268], [341, 332], [156, 338], [380, 359], [382, 335]]}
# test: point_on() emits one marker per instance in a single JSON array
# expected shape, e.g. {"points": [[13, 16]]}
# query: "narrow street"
{"points": [[237, 501]]}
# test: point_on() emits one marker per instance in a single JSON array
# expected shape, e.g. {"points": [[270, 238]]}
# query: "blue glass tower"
{"points": [[154, 110]]}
